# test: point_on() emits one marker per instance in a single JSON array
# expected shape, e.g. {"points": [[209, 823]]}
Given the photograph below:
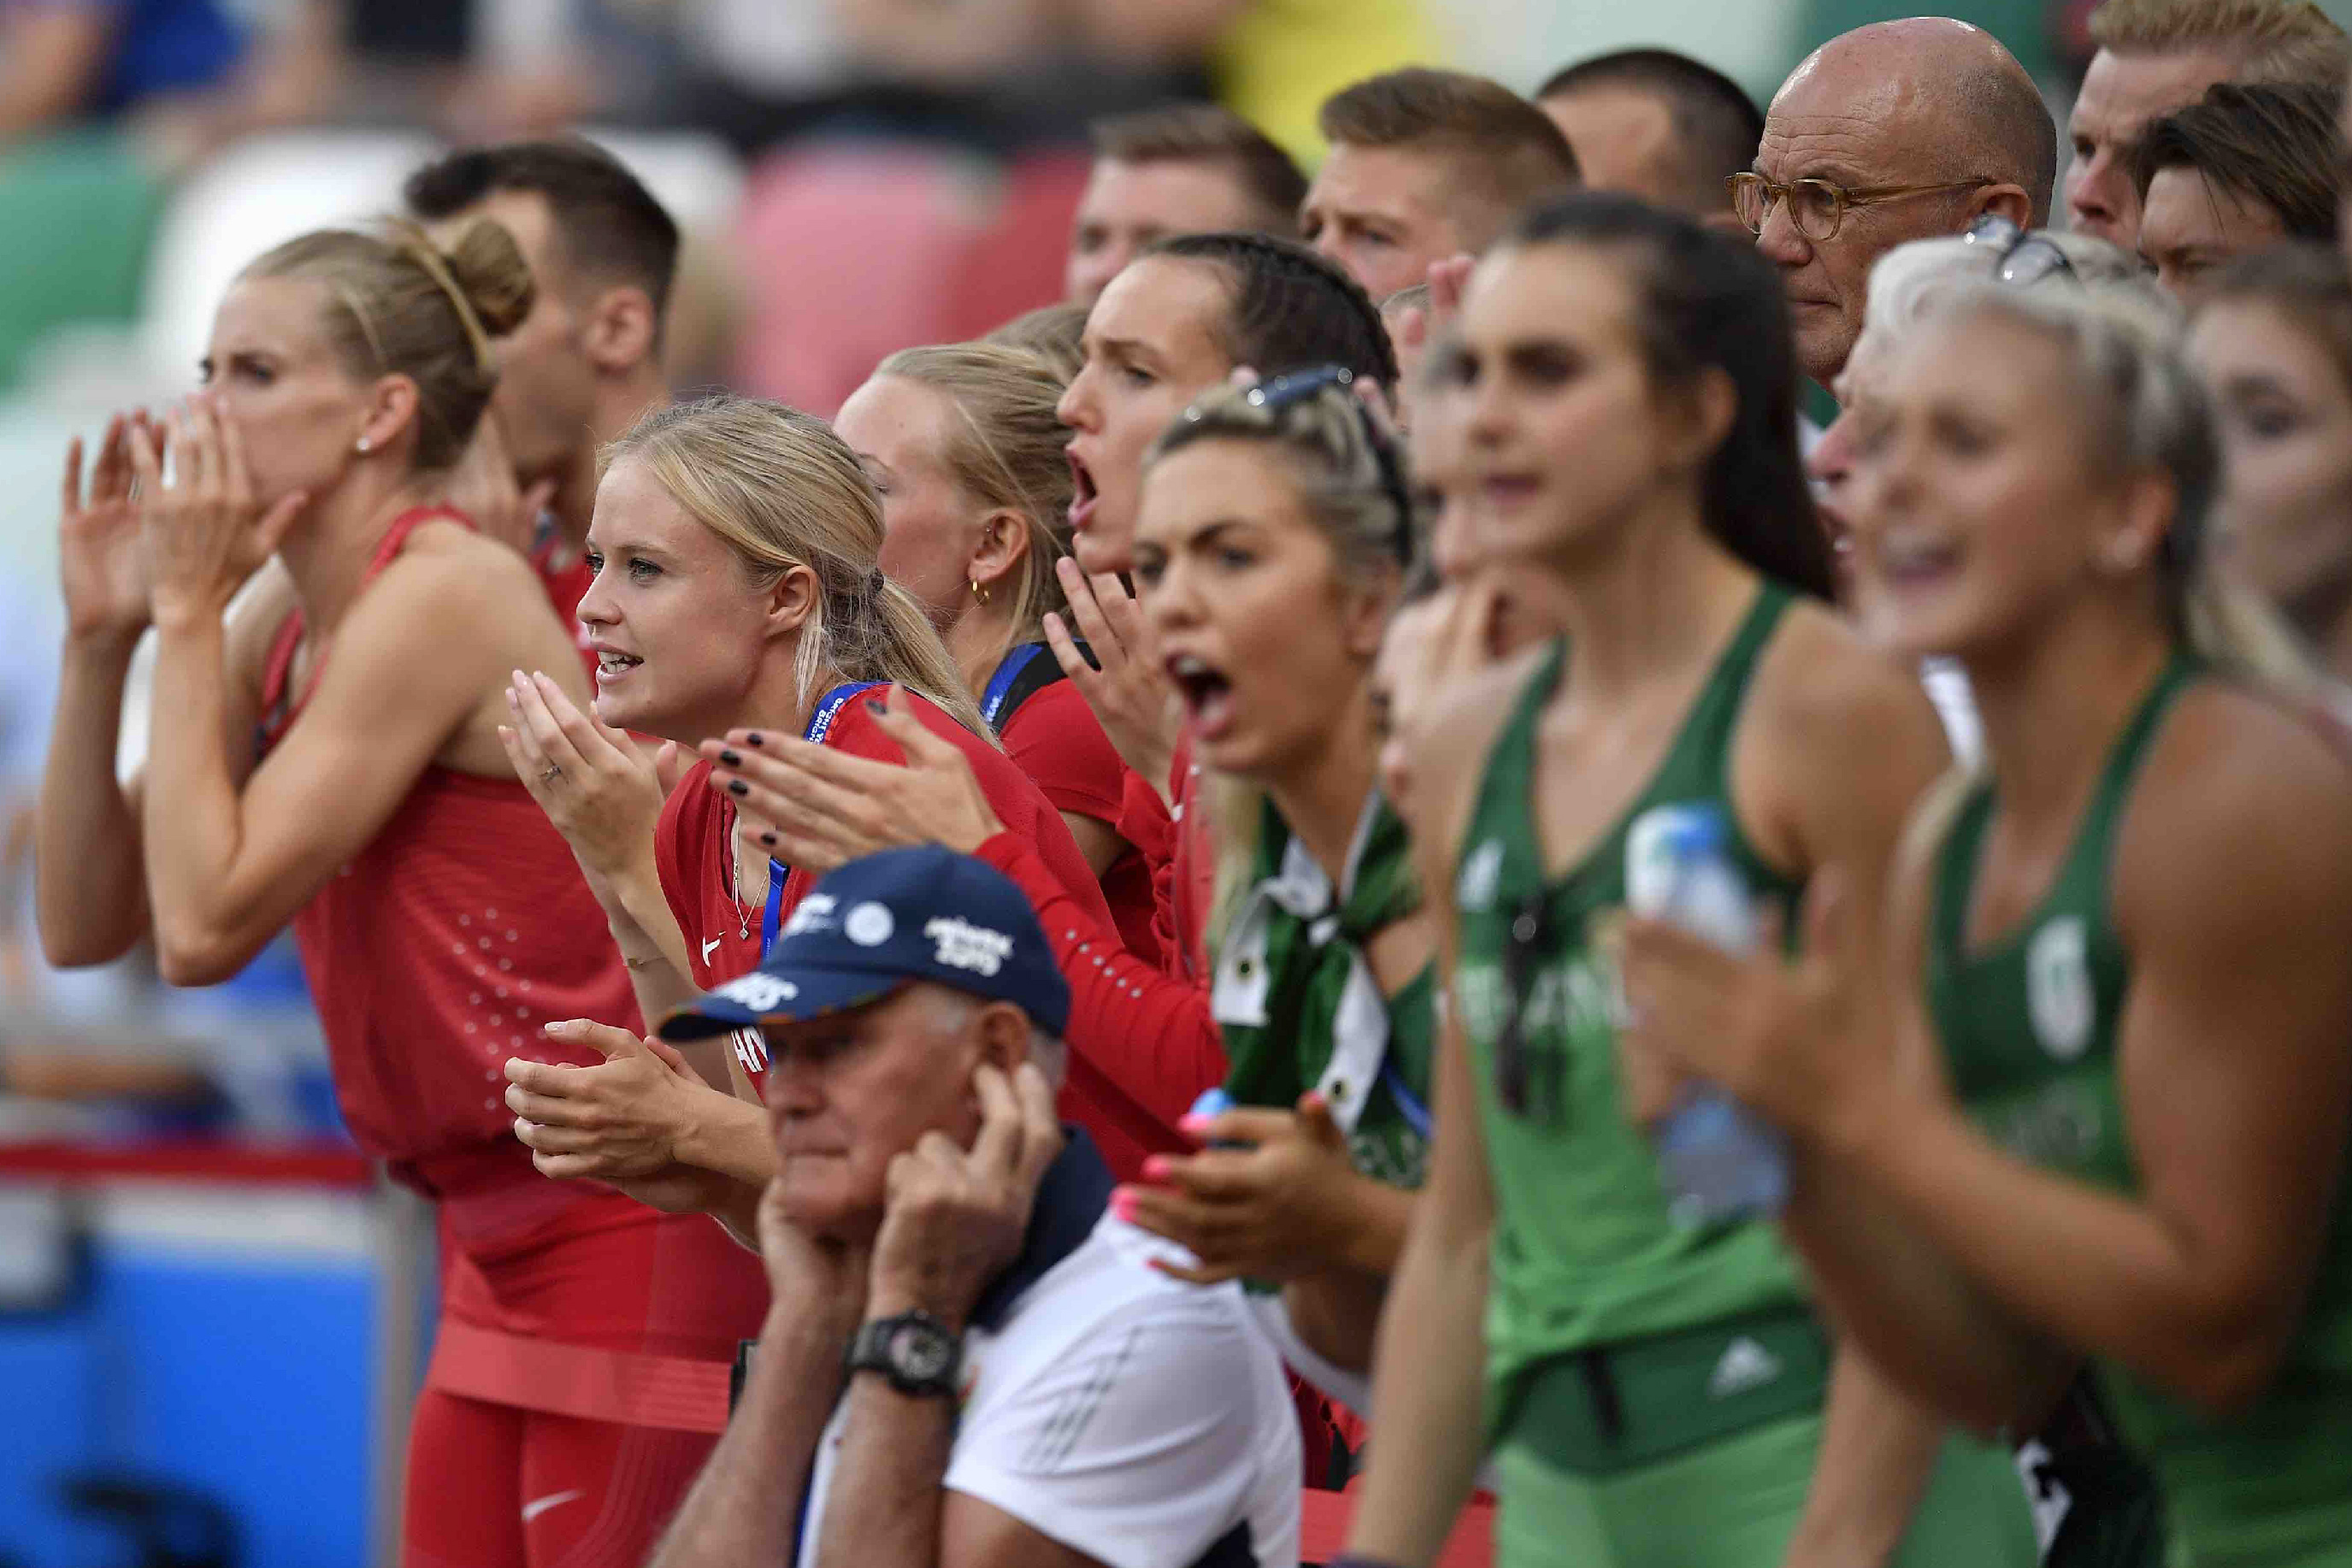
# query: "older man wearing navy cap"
{"points": [[1023, 1387]]}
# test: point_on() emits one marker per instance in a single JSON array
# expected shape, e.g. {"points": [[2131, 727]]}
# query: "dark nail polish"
{"points": [[738, 787], [730, 759], [753, 738]]}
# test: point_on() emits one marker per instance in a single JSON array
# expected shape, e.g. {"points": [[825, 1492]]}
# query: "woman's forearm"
{"points": [[1905, 1302], [191, 814], [90, 892], [729, 1136], [1428, 1380]]}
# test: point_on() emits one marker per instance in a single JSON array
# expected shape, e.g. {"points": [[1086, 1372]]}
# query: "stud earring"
{"points": [[363, 444]]}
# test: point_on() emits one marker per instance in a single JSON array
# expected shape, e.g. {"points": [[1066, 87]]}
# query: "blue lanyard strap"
{"points": [[1409, 1104], [1000, 685], [828, 709]]}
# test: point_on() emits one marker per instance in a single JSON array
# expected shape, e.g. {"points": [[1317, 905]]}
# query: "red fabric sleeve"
{"points": [[1055, 739], [1167, 1044]]}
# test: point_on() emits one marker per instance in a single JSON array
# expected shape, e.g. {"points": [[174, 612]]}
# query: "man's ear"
{"points": [[622, 331], [1005, 1037], [2006, 201]]}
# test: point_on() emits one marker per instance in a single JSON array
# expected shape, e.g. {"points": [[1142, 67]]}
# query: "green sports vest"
{"points": [[2029, 1025], [1298, 1004], [1584, 1253]]}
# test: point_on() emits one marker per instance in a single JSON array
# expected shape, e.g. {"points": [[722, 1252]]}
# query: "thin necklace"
{"points": [[734, 881]]}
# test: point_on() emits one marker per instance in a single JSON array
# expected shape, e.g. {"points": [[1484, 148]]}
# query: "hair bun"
{"points": [[488, 265]]}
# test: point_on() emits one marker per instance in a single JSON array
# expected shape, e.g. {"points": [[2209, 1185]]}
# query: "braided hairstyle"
{"points": [[1291, 309]]}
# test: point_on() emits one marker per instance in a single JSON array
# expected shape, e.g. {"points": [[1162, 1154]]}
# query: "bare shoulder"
{"points": [[2241, 803], [1837, 742], [1820, 682], [463, 593]]}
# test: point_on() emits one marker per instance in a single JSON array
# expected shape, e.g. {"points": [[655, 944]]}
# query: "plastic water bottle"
{"points": [[1719, 1161], [1214, 1102]]}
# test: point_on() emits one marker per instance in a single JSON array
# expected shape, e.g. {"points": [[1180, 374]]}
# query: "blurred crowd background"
{"points": [[206, 1307]]}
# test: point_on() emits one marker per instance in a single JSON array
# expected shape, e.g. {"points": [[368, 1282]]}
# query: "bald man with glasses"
{"points": [[1894, 131]]}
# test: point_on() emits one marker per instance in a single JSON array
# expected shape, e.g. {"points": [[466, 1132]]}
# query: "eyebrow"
{"points": [[2255, 381]]}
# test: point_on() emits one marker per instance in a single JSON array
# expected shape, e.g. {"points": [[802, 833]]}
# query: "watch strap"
{"points": [[894, 1346]]}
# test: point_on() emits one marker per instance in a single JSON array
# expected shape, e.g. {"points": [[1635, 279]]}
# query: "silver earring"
{"points": [[364, 444]]}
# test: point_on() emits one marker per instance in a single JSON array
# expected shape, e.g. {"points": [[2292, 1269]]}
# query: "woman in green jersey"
{"points": [[1658, 1394], [2272, 339], [1271, 542], [2095, 1104]]}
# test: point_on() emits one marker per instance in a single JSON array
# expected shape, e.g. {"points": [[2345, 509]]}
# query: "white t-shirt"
{"points": [[1140, 1420]]}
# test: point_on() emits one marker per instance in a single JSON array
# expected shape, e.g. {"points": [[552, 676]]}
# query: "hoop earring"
{"points": [[978, 592]]}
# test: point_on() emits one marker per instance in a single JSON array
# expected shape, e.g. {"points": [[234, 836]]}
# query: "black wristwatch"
{"points": [[914, 1350]]}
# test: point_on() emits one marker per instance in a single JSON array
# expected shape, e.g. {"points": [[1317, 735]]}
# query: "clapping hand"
{"points": [[101, 563], [1130, 695], [813, 807], [1267, 1208]]}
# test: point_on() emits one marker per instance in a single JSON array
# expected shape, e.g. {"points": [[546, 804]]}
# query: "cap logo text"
{"points": [[963, 945], [758, 992], [813, 912]]}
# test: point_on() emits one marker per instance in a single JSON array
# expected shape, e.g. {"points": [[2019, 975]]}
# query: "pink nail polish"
{"points": [[1193, 1126], [1155, 1168], [1122, 1204]]}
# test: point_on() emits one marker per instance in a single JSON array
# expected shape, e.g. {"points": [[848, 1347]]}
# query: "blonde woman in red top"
{"points": [[330, 757]]}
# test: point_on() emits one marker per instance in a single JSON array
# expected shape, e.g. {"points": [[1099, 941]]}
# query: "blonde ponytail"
{"points": [[784, 491]]}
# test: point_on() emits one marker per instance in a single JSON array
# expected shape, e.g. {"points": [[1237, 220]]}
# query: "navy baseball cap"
{"points": [[877, 925]]}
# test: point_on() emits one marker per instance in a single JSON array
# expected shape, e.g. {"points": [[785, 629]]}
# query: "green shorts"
{"points": [[1734, 1502]]}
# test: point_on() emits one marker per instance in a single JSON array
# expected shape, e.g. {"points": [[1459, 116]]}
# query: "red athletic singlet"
{"points": [[432, 956]]}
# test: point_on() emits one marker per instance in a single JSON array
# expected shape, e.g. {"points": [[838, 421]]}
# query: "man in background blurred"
{"points": [[1894, 131], [1426, 165], [1188, 168], [2157, 56], [1658, 125], [586, 362]]}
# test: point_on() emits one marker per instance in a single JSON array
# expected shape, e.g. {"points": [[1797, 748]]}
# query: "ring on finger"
{"points": [[552, 772]]}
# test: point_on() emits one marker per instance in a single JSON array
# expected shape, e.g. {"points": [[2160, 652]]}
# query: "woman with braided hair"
{"points": [[330, 756]]}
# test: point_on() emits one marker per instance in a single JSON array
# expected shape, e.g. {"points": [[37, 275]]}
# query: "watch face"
{"points": [[920, 1352]]}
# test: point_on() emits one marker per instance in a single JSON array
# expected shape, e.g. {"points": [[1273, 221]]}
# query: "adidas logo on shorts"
{"points": [[1744, 1365]]}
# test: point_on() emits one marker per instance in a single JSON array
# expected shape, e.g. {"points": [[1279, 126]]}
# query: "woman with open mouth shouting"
{"points": [[963, 444]]}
